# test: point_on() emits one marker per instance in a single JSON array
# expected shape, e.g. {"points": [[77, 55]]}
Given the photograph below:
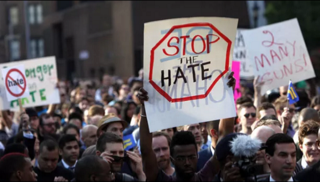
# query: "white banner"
{"points": [[278, 53], [41, 76], [186, 61]]}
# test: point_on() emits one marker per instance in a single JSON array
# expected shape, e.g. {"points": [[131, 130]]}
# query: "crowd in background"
{"points": [[81, 138]]}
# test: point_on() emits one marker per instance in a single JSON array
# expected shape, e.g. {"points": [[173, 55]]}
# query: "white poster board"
{"points": [[41, 76], [15, 82], [186, 63], [240, 54], [278, 53]]}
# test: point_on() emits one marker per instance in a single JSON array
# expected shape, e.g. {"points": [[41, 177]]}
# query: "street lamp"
{"points": [[255, 10]]}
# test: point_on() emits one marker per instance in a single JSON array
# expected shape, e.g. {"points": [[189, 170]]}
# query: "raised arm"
{"points": [[257, 93], [148, 157]]}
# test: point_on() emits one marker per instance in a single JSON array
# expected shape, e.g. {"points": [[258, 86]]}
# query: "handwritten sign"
{"points": [[236, 75], [15, 82], [186, 61], [279, 54], [41, 78]]}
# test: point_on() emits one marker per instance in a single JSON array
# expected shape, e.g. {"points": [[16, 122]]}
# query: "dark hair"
{"points": [[279, 138], [308, 128], [88, 166], [266, 106], [212, 125], [50, 145], [315, 101], [11, 163], [243, 99], [66, 139], [14, 148], [84, 98], [42, 117], [75, 115], [124, 109], [107, 138], [76, 110], [159, 134], [246, 105], [70, 126], [182, 138]]}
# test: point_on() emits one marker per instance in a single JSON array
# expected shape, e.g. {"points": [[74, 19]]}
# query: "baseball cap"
{"points": [[223, 148], [110, 118]]}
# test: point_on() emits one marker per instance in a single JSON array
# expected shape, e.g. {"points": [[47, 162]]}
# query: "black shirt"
{"points": [[59, 171]]}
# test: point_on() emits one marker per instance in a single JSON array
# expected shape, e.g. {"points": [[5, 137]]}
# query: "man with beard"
{"points": [[69, 151], [281, 157], [110, 147], [161, 147]]}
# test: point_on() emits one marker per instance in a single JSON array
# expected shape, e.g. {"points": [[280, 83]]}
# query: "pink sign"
{"points": [[236, 70]]}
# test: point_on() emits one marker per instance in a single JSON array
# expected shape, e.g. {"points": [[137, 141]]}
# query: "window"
{"points": [[14, 16], [35, 13], [31, 14], [15, 50], [37, 48], [39, 13]]}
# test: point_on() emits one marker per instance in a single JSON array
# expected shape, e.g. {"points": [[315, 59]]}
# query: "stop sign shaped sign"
{"points": [[188, 60]]}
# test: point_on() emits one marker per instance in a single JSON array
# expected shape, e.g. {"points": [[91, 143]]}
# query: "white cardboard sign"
{"points": [[41, 77], [186, 63], [240, 54], [15, 82], [278, 53]]}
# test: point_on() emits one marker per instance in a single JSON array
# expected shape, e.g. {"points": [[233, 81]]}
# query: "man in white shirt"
{"points": [[308, 137], [281, 157], [69, 150]]}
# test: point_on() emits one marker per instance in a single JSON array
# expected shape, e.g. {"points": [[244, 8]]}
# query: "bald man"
{"points": [[89, 135], [94, 120], [263, 133]]}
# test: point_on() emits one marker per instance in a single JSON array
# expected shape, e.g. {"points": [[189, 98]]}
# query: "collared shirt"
{"points": [[212, 151], [271, 179], [304, 163], [65, 165]]}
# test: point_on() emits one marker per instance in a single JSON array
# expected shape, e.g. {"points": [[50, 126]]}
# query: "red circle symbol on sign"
{"points": [[23, 89], [215, 80]]}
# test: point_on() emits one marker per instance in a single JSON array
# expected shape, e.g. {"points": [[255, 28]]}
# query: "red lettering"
{"points": [[274, 54], [261, 62], [305, 61], [282, 75], [169, 45], [214, 41], [266, 82], [184, 43], [286, 70], [293, 47], [203, 43], [269, 43], [298, 67], [282, 51]]}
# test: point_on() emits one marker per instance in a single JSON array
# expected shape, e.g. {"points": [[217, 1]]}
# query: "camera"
{"points": [[248, 169]]}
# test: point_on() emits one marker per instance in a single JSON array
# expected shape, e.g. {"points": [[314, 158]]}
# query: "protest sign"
{"points": [[240, 54], [279, 54], [41, 78], [236, 70], [15, 82], [186, 61]]}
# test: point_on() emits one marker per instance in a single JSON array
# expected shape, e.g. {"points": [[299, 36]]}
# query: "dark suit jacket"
{"points": [[311, 173], [204, 156], [298, 167], [267, 179]]}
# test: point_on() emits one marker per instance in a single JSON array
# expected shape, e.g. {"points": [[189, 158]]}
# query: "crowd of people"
{"points": [[82, 138]]}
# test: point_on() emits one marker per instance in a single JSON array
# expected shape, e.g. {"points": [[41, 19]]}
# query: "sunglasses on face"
{"points": [[248, 114]]}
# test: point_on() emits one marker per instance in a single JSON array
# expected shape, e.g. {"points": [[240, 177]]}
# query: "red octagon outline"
{"points": [[24, 80], [162, 92]]}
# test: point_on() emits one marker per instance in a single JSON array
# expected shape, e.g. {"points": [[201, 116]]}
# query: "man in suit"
{"points": [[308, 136], [311, 173], [69, 150], [212, 128], [281, 157]]}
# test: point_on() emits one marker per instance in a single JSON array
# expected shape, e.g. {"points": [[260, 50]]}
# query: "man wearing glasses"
{"points": [[47, 126], [247, 116]]}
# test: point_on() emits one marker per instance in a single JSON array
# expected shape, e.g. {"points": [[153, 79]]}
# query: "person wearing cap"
{"points": [[34, 118], [111, 123]]}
